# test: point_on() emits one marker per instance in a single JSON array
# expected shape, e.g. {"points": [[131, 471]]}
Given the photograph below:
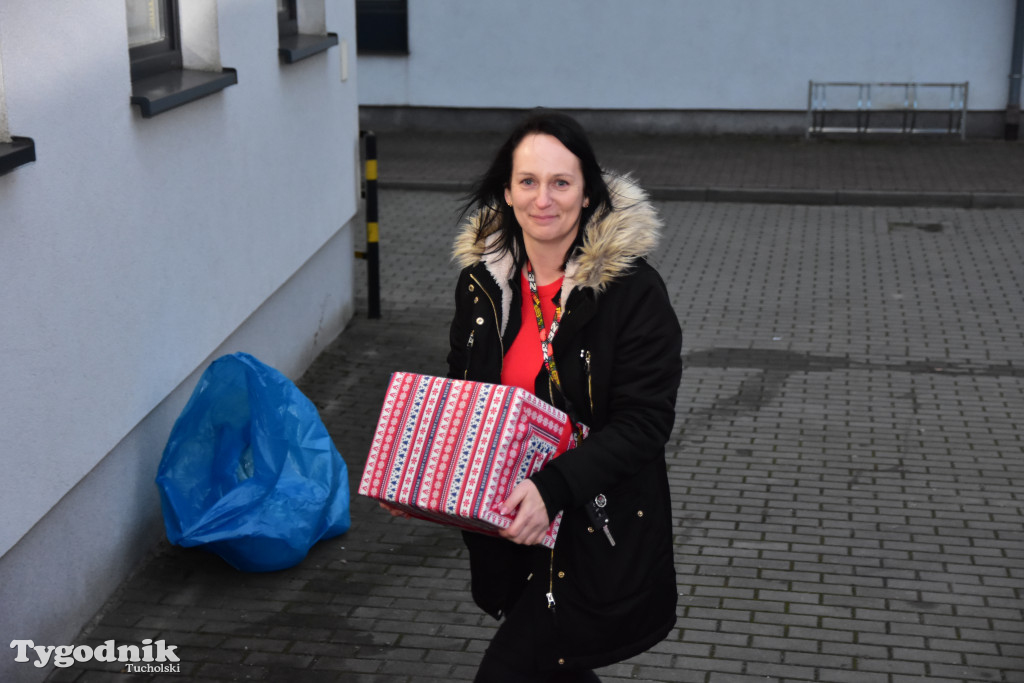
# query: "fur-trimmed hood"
{"points": [[612, 242]]}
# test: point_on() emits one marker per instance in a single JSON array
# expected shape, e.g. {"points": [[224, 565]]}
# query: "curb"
{"points": [[961, 200]]}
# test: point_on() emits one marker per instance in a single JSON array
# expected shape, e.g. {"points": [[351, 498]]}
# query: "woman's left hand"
{"points": [[531, 515]]}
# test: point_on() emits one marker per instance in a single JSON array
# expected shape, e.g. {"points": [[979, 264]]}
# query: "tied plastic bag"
{"points": [[250, 472]]}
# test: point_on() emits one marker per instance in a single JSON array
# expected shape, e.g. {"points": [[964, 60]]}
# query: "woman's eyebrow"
{"points": [[559, 174]]}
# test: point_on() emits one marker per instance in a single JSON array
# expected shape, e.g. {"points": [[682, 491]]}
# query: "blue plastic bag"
{"points": [[250, 472]]}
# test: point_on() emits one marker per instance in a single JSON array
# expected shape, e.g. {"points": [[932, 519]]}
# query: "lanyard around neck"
{"points": [[545, 342], [545, 347]]}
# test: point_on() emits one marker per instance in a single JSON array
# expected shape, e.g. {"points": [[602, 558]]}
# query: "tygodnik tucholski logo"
{"points": [[150, 657]]}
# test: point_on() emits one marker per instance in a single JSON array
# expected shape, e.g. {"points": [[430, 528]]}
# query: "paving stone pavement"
{"points": [[847, 467], [828, 171]]}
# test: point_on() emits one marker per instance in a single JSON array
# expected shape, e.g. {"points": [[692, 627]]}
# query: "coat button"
{"points": [[639, 513], [476, 299], [561, 662], [472, 288], [561, 575], [479, 321], [590, 529]]}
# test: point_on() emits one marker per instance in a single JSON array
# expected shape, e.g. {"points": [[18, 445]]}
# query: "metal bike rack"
{"points": [[901, 108]]}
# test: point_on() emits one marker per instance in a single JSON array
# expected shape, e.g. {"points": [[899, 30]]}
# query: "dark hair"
{"points": [[488, 193]]}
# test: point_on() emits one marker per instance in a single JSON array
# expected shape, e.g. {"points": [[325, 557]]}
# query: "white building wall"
{"points": [[685, 54], [133, 251], [5, 135]]}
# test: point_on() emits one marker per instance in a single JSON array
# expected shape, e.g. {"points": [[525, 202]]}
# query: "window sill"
{"points": [[169, 89], [370, 52], [17, 152], [299, 46]]}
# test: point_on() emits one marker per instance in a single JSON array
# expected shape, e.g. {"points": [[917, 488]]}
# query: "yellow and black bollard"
{"points": [[372, 254]]}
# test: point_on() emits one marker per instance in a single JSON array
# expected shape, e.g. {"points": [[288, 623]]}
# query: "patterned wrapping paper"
{"points": [[451, 451]]}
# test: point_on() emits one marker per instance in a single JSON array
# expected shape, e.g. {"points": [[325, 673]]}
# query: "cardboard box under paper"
{"points": [[451, 451]]}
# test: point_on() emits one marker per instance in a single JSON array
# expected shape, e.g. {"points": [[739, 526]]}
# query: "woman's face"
{"points": [[546, 193]]}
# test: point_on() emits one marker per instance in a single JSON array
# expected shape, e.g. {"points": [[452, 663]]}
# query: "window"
{"points": [[287, 18], [293, 45], [382, 27], [159, 80], [153, 36], [14, 151]]}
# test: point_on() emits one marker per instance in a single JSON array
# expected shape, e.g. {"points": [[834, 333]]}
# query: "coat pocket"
{"points": [[642, 552]]}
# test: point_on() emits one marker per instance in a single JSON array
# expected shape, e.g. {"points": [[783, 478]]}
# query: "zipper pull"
{"points": [[551, 583], [585, 355], [469, 347]]}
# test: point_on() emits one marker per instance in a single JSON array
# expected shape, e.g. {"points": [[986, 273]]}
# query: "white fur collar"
{"points": [[613, 241]]}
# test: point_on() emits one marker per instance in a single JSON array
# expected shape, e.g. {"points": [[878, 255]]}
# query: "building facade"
{"points": [[702, 66], [146, 228]]}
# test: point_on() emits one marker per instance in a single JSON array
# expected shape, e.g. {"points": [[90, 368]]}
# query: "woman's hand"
{"points": [[531, 515], [395, 512]]}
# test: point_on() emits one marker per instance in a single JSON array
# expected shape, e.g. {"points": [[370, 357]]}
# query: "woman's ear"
{"points": [[508, 196]]}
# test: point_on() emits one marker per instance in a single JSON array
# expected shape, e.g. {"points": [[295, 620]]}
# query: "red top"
{"points": [[523, 359]]}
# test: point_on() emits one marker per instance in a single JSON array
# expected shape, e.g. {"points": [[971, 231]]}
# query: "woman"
{"points": [[556, 296]]}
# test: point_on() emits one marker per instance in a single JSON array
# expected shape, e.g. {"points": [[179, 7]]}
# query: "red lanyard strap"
{"points": [[545, 346], [545, 342]]}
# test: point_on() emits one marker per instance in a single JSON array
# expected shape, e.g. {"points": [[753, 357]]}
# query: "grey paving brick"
{"points": [[712, 666], [846, 466], [928, 655], [1012, 664], [892, 667], [416, 670], [850, 676], [968, 673], [747, 654], [729, 634], [647, 673], [717, 677], [857, 625], [788, 672], [280, 660], [345, 664], [217, 671]]}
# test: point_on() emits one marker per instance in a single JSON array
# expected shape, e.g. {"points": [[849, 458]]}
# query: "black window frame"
{"points": [[163, 55], [159, 80], [288, 19], [18, 152], [382, 27], [293, 46], [15, 151]]}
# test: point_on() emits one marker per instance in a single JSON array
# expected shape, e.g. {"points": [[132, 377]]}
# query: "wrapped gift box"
{"points": [[451, 451]]}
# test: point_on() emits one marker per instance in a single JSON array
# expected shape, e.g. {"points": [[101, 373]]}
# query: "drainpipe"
{"points": [[1013, 103]]}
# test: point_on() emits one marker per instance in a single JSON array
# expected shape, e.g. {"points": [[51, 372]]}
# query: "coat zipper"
{"points": [[469, 353], [494, 309], [585, 355], [551, 583], [469, 345]]}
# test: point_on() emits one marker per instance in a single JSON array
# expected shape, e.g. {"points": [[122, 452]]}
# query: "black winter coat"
{"points": [[617, 351]]}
